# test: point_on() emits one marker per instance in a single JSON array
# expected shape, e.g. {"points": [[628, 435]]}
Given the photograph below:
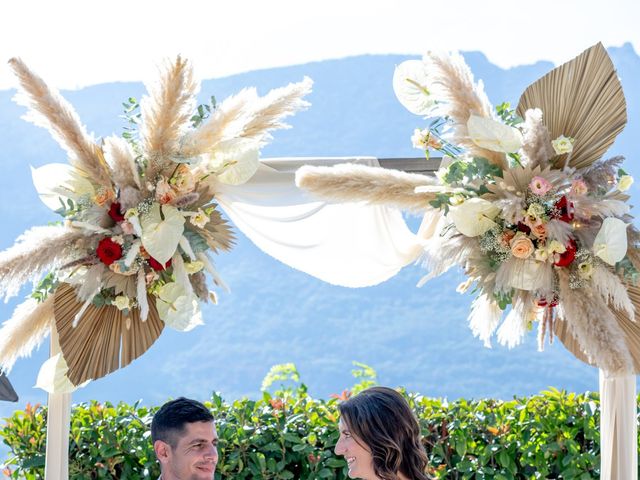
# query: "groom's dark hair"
{"points": [[169, 422]]}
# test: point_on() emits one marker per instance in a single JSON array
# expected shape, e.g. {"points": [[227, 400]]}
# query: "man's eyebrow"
{"points": [[201, 440]]}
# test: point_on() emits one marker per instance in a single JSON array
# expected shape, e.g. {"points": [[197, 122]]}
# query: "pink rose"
{"points": [[539, 185], [539, 231], [521, 246]]}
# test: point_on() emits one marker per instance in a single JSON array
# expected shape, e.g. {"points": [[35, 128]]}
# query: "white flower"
{"points": [[474, 216], [526, 274], [585, 270], [541, 255], [121, 302], [199, 218], [234, 162], [52, 377], [410, 81], [611, 241], [58, 181], [193, 267], [555, 247], [562, 145], [456, 199], [420, 138], [625, 183], [178, 308], [160, 237], [492, 135]]}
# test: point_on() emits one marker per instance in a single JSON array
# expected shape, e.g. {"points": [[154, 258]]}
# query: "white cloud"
{"points": [[123, 41]]}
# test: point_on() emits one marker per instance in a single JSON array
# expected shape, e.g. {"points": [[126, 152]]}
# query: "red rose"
{"points": [[568, 256], [156, 265], [114, 212], [108, 251], [564, 210], [523, 228]]}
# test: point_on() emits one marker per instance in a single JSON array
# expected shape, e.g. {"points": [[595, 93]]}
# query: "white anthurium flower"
{"points": [[52, 377], [178, 308], [234, 162], [493, 135], [162, 229], [611, 241], [474, 216], [59, 181], [410, 82]]}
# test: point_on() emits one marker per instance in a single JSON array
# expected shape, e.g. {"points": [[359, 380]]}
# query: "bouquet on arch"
{"points": [[523, 201], [139, 219]]}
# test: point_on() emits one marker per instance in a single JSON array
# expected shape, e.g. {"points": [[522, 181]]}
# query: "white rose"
{"points": [[562, 145], [121, 302], [625, 183], [420, 138]]}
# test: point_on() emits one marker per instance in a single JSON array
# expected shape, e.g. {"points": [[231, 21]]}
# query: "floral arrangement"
{"points": [[523, 201], [140, 221]]}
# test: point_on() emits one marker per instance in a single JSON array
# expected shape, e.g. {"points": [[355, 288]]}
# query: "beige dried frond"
{"points": [[27, 328], [166, 114], [592, 323], [122, 162], [35, 252], [536, 147], [269, 111], [217, 232], [350, 182], [452, 82], [224, 123], [49, 110], [581, 99]]}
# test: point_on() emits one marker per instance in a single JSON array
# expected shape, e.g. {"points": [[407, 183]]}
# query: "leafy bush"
{"points": [[287, 434]]}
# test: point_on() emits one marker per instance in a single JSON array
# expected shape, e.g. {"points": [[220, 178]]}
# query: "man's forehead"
{"points": [[199, 431]]}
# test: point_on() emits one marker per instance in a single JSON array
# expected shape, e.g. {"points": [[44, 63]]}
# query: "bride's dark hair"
{"points": [[382, 419]]}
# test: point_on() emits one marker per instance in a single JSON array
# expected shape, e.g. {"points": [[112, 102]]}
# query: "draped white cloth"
{"points": [[353, 245], [618, 428]]}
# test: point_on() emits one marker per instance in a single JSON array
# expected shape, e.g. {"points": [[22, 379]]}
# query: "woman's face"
{"points": [[357, 455]]}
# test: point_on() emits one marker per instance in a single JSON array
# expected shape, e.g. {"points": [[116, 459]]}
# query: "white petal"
{"points": [[611, 241], [474, 216], [235, 162], [177, 308], [59, 181], [52, 377], [410, 84], [492, 135], [160, 237]]}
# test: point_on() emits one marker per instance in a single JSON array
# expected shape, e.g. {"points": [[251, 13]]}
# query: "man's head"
{"points": [[185, 440]]}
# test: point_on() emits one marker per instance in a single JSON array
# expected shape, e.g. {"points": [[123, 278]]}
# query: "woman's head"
{"points": [[380, 437]]}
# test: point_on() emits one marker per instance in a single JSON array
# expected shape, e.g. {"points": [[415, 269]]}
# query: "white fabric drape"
{"points": [[58, 427], [353, 245], [618, 429]]}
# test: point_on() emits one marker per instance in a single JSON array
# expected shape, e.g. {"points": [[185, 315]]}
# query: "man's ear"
{"points": [[162, 450]]}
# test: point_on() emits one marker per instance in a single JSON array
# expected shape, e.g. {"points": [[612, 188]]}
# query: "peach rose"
{"points": [[539, 230], [164, 193], [507, 235], [521, 246], [103, 196]]}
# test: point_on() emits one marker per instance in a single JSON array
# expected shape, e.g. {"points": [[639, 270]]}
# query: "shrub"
{"points": [[287, 434]]}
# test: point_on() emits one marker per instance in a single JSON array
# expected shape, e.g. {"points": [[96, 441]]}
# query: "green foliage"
{"points": [[465, 171], [284, 372], [288, 434], [508, 115], [45, 287], [203, 112], [367, 375]]}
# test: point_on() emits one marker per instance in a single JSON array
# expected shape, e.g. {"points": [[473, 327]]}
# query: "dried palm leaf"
{"points": [[49, 110], [581, 99], [355, 183], [105, 339]]}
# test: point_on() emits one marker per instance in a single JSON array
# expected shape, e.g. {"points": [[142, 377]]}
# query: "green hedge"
{"points": [[289, 435]]}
